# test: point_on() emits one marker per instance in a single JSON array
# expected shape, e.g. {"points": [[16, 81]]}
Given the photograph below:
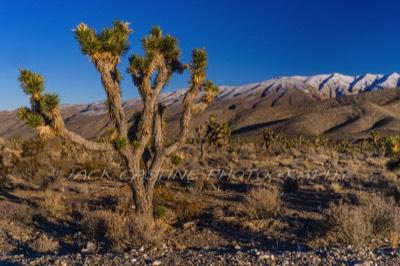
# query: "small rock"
{"points": [[90, 247], [264, 257], [157, 263], [189, 225], [141, 249], [237, 247], [180, 247], [133, 260]]}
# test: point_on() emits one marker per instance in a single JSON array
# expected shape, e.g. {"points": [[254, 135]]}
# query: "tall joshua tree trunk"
{"points": [[143, 152]]}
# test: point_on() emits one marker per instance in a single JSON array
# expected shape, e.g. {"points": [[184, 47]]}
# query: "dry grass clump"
{"points": [[14, 212], [45, 244], [123, 231], [53, 204], [186, 206], [263, 203], [374, 218]]}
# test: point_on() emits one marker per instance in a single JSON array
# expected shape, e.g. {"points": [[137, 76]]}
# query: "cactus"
{"points": [[150, 73]]}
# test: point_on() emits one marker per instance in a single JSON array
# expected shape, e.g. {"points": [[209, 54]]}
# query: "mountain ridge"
{"points": [[332, 104]]}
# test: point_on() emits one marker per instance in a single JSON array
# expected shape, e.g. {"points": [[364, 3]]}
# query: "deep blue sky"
{"points": [[247, 41]]}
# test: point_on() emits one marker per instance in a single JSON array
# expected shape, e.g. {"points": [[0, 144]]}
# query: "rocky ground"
{"points": [[207, 222], [237, 255]]}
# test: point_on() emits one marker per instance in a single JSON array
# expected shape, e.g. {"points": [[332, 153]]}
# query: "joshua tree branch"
{"points": [[113, 90]]}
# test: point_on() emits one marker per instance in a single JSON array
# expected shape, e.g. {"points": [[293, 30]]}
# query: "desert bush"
{"points": [[177, 159], [321, 142], [14, 212], [44, 244], [392, 145], [262, 203], [53, 204], [271, 139], [345, 146], [122, 231], [186, 206], [160, 212], [374, 218]]}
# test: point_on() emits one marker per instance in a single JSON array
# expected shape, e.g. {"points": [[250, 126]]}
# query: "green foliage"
{"points": [[303, 141], [375, 139], [177, 159], [121, 142], [31, 82], [159, 50], [136, 144], [213, 132], [109, 132], [111, 40], [23, 113], [271, 138], [34, 120], [209, 86], [50, 101], [321, 142], [160, 212], [392, 144], [346, 146], [198, 65]]}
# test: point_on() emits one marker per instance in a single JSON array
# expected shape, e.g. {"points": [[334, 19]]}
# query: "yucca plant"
{"points": [[212, 133], [121, 142], [321, 142], [150, 73], [271, 138], [50, 102], [393, 145], [34, 120]]}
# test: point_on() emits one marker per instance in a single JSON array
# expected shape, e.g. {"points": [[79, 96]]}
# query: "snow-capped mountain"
{"points": [[329, 85], [319, 87]]}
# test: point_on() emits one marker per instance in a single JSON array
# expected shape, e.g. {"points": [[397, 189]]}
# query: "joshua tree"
{"points": [[212, 133], [143, 150]]}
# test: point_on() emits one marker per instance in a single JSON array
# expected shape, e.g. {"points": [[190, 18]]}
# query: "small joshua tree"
{"points": [[212, 133], [143, 150]]}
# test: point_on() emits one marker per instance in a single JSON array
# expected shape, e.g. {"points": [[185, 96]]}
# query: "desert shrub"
{"points": [[44, 244], [272, 139], [160, 212], [177, 159], [345, 146], [263, 203], [53, 204], [14, 212], [122, 231], [321, 142], [374, 218], [302, 141], [94, 225], [236, 144], [392, 145], [186, 206]]}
